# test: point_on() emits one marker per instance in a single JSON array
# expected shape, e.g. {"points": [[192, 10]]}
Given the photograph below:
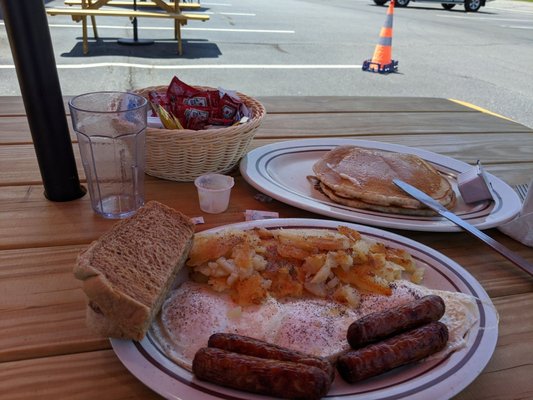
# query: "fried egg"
{"points": [[316, 326]]}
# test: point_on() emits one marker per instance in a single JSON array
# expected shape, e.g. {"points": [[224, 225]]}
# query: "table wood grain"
{"points": [[47, 352]]}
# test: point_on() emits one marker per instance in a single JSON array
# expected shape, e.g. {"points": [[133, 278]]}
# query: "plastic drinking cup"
{"points": [[214, 192], [111, 132]]}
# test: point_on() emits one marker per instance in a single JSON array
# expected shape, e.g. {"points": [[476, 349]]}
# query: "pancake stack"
{"points": [[363, 178]]}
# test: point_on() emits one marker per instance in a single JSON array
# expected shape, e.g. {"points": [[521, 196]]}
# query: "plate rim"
{"points": [[129, 351], [256, 178]]}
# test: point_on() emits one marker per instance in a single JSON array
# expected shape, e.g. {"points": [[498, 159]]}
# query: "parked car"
{"points": [[470, 5]]}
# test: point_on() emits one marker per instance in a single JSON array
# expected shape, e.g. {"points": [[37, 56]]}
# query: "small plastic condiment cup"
{"points": [[214, 192]]}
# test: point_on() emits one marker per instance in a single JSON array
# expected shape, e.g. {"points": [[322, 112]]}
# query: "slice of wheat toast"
{"points": [[129, 270]]}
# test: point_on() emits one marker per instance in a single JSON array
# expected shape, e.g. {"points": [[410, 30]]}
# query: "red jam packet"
{"points": [[228, 107], [192, 117], [178, 88], [158, 99]]}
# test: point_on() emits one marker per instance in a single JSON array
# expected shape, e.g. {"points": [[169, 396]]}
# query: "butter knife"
{"points": [[443, 211]]}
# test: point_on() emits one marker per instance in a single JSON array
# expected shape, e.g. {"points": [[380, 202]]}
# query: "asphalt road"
{"points": [[310, 47]]}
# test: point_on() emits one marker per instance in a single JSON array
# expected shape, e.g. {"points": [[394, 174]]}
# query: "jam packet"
{"points": [[474, 184], [157, 99], [192, 117], [178, 88]]}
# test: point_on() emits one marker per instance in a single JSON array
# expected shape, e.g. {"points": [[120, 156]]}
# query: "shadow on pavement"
{"points": [[161, 48]]}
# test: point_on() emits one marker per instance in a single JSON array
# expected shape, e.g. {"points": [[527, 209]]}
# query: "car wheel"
{"points": [[401, 3], [447, 6], [380, 2], [472, 5]]}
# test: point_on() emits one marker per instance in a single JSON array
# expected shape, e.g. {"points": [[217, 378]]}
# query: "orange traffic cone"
{"points": [[382, 61]]}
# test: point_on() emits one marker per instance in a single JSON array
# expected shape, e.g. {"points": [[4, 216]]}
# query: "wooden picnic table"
{"points": [[80, 10], [46, 351]]}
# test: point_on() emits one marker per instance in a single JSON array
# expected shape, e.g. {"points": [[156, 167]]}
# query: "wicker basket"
{"points": [[184, 154]]}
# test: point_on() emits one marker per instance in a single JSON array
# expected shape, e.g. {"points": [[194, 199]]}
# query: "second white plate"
{"points": [[281, 169]]}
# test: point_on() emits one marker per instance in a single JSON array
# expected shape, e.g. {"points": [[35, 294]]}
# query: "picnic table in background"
{"points": [[81, 9]]}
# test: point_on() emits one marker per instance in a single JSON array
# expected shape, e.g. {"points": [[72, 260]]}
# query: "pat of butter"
{"points": [[154, 122], [474, 184], [254, 215]]}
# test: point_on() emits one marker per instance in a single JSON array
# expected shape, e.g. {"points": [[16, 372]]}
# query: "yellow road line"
{"points": [[483, 110]]}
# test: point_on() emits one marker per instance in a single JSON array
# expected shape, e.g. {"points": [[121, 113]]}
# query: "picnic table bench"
{"points": [[142, 4], [90, 9]]}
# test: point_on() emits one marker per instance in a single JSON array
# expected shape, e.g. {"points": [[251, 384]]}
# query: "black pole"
{"points": [[135, 34], [135, 40], [31, 46]]}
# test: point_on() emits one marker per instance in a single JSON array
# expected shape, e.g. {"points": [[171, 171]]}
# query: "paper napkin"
{"points": [[521, 228]]}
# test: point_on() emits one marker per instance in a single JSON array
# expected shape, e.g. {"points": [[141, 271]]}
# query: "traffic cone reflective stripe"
{"points": [[386, 30], [382, 59], [386, 33]]}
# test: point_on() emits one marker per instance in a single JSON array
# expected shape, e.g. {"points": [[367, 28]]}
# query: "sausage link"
{"points": [[393, 352], [376, 326], [259, 348], [283, 379]]}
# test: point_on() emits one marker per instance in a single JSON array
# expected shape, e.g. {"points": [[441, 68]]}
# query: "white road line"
{"points": [[217, 4], [238, 30], [207, 66], [172, 28], [516, 27], [237, 13], [483, 18], [229, 13], [512, 10]]}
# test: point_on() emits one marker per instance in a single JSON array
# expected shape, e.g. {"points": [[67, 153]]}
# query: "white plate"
{"points": [[281, 169], [435, 380]]}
